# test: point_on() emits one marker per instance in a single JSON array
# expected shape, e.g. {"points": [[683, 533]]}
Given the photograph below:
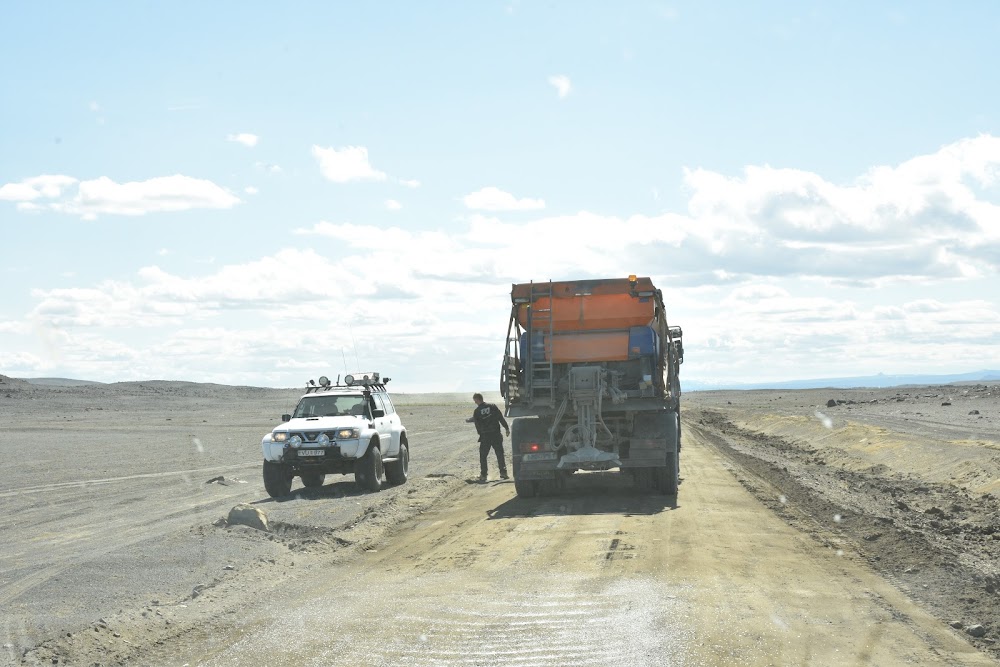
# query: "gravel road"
{"points": [[789, 542]]}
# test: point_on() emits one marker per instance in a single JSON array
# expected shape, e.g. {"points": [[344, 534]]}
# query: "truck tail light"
{"points": [[529, 447]]}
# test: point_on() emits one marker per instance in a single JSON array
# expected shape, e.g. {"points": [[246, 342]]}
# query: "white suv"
{"points": [[338, 429]]}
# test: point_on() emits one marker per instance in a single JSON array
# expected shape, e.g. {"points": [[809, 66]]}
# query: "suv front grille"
{"points": [[311, 436]]}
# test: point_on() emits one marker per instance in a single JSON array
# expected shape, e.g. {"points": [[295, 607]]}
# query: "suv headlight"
{"points": [[279, 436], [348, 433], [295, 441]]}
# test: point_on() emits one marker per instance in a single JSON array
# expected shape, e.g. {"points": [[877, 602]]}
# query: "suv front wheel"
{"points": [[368, 469], [277, 479]]}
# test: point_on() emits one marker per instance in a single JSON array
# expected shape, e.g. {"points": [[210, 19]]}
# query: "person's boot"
{"points": [[503, 474], [482, 479]]}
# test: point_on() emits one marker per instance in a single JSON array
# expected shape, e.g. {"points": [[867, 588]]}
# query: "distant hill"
{"points": [[879, 381], [59, 382]]}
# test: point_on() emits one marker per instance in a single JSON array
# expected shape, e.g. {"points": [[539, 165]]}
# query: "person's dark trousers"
{"points": [[485, 445]]}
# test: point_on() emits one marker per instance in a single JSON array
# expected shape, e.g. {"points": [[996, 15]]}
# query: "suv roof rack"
{"points": [[367, 380]]}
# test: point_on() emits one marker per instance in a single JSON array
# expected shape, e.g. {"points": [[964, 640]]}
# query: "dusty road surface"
{"points": [[121, 556]]}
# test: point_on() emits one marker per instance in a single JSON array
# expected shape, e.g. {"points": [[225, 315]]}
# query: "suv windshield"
{"points": [[330, 406]]}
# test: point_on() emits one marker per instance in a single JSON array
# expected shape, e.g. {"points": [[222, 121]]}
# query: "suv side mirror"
{"points": [[286, 418], [378, 413]]}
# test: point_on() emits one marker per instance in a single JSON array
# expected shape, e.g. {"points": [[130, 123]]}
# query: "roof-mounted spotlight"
{"points": [[324, 381], [348, 380]]}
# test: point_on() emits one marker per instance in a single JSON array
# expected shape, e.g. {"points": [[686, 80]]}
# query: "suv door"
{"points": [[395, 423], [383, 425]]}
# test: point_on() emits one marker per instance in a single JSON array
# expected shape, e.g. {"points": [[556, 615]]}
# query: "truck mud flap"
{"points": [[653, 436]]}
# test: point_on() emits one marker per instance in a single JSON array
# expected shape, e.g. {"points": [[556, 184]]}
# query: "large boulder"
{"points": [[248, 515]]}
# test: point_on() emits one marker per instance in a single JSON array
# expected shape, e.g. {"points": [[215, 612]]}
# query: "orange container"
{"points": [[589, 312]]}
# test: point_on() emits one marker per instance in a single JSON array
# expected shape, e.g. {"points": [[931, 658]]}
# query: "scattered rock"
{"points": [[976, 630], [218, 480], [974, 412], [946, 403], [248, 515], [228, 567], [831, 403], [198, 590], [958, 625]]}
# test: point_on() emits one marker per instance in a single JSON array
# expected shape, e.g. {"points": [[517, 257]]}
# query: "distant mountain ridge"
{"points": [[879, 381]]}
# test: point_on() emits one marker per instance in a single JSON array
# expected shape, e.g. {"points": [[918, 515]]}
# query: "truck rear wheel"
{"points": [[524, 488], [548, 487], [668, 478], [277, 479]]}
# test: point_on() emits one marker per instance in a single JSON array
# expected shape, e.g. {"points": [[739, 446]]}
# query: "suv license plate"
{"points": [[540, 456], [311, 452]]}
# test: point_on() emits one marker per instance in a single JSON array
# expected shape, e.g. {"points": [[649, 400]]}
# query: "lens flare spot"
{"points": [[824, 420]]}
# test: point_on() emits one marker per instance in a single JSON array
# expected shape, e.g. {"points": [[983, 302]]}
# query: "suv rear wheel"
{"points": [[312, 480], [397, 471]]}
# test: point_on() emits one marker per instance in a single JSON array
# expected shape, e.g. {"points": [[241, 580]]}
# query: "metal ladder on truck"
{"points": [[540, 372]]}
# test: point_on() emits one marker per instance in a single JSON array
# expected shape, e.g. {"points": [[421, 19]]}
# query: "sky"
{"points": [[251, 193]]}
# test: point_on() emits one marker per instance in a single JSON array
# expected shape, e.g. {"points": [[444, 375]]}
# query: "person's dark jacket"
{"points": [[488, 419]]}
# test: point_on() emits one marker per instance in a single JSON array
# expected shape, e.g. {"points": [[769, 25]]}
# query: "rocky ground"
{"points": [[911, 476]]}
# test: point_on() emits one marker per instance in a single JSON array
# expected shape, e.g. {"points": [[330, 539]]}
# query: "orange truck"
{"points": [[590, 377]]}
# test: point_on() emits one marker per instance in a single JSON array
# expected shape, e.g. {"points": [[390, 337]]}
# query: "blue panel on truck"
{"points": [[641, 342], [537, 346]]}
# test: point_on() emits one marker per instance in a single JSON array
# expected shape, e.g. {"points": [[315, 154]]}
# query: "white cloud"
{"points": [[562, 85], [102, 195], [409, 182], [346, 164], [392, 205], [495, 199], [250, 190], [164, 193], [245, 138], [268, 167], [923, 217], [16, 327], [94, 106], [46, 186]]}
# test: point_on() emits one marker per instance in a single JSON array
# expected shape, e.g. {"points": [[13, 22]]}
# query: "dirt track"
{"points": [[113, 558]]}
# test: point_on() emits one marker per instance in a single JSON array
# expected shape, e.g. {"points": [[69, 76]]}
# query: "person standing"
{"points": [[488, 418]]}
